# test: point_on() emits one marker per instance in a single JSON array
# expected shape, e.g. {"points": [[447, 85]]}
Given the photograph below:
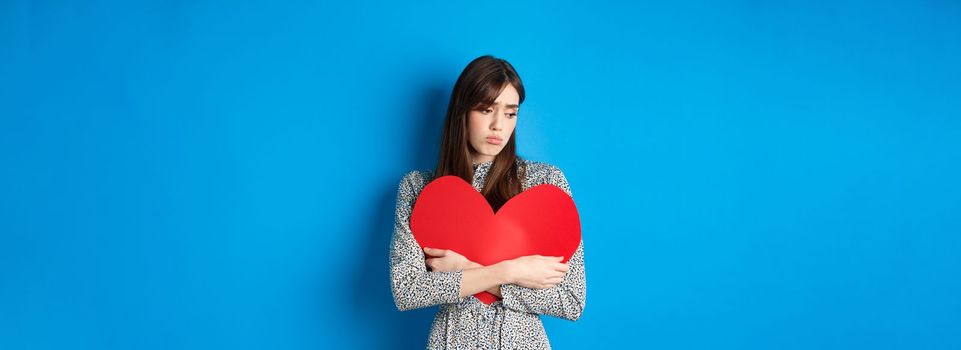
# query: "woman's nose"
{"points": [[496, 123]]}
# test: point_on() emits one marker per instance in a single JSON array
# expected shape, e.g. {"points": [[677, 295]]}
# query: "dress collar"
{"points": [[481, 165]]}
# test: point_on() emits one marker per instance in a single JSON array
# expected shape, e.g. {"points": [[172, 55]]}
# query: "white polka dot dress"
{"points": [[467, 323]]}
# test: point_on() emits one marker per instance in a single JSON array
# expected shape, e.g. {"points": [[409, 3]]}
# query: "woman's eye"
{"points": [[512, 115]]}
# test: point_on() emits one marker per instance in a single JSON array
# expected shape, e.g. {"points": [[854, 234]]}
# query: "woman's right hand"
{"points": [[537, 271]]}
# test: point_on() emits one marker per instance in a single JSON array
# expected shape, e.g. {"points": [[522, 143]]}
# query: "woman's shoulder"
{"points": [[540, 170], [535, 172], [539, 173], [416, 179]]}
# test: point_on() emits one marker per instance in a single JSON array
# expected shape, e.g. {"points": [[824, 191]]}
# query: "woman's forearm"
{"points": [[484, 279], [496, 290]]}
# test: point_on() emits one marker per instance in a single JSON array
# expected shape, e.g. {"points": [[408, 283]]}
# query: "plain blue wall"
{"points": [[222, 174]]}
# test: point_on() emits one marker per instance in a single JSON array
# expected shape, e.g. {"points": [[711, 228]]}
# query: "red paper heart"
{"points": [[451, 214]]}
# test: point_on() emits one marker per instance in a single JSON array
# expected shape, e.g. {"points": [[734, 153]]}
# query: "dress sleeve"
{"points": [[412, 285], [565, 300]]}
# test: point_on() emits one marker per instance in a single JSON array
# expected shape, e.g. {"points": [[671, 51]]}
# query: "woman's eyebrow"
{"points": [[507, 106]]}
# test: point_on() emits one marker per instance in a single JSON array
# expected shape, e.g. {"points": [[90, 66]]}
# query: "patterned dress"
{"points": [[467, 323]]}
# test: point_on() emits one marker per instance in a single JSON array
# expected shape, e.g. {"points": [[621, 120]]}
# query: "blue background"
{"points": [[222, 174]]}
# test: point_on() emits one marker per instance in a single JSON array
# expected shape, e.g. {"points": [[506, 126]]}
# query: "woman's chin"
{"points": [[491, 154]]}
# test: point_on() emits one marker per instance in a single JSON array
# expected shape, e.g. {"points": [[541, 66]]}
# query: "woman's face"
{"points": [[490, 128]]}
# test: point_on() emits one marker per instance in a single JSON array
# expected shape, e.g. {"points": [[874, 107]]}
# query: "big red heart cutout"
{"points": [[450, 214]]}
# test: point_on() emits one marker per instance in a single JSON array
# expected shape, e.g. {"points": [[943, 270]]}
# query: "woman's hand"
{"points": [[537, 271], [446, 260]]}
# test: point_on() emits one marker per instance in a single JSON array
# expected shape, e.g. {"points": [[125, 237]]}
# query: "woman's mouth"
{"points": [[494, 140]]}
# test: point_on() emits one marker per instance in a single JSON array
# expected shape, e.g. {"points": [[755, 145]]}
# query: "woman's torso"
{"points": [[473, 324]]}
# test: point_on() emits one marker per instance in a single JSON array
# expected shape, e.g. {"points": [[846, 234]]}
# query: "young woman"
{"points": [[479, 146]]}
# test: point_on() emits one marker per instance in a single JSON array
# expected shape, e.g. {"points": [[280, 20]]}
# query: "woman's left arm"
{"points": [[565, 300]]}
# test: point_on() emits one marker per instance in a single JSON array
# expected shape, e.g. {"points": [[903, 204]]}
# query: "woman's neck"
{"points": [[482, 159]]}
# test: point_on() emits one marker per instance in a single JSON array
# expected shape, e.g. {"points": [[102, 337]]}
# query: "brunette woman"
{"points": [[479, 145]]}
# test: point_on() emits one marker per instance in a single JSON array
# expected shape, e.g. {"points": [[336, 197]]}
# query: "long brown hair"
{"points": [[478, 86]]}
